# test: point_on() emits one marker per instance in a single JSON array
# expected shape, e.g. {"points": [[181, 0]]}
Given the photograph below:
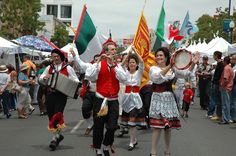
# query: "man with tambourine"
{"points": [[56, 100]]}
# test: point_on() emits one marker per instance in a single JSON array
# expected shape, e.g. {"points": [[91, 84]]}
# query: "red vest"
{"points": [[107, 83], [63, 69]]}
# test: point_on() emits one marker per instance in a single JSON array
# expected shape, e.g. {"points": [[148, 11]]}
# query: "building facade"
{"points": [[64, 12]]}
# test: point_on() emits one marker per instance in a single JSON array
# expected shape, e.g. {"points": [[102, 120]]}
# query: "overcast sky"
{"points": [[121, 16]]}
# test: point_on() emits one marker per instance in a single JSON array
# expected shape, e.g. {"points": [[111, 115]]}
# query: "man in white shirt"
{"points": [[55, 100], [107, 74]]}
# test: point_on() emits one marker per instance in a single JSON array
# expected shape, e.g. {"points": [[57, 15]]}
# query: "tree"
{"points": [[210, 26], [61, 36], [20, 18]]}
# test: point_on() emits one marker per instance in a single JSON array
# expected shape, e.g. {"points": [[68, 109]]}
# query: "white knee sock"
{"points": [[98, 151], [89, 121]]}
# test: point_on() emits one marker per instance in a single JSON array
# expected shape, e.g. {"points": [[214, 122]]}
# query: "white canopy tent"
{"points": [[216, 44], [8, 51], [219, 44], [232, 49]]}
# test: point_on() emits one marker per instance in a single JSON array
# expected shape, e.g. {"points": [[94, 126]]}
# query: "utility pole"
{"points": [[229, 8], [230, 31]]}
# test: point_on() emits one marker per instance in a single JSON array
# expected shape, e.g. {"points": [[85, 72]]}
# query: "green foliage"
{"points": [[120, 49], [210, 26], [20, 17], [60, 37]]}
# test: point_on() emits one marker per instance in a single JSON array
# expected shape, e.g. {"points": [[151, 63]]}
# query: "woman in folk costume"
{"points": [[163, 108], [133, 114], [55, 100], [107, 74]]}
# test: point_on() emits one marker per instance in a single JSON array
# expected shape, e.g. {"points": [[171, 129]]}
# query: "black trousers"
{"points": [[110, 121], [41, 92], [204, 88], [87, 105], [55, 102], [185, 106], [146, 95]]}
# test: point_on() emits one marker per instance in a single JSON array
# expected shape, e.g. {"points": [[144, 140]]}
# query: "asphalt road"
{"points": [[198, 136]]}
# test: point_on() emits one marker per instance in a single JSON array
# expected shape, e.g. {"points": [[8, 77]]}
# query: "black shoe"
{"points": [[53, 145], [130, 148], [31, 111], [58, 140], [88, 131], [106, 152], [167, 126], [223, 123], [8, 116]]}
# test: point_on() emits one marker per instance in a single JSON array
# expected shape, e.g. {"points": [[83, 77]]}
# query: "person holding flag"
{"points": [[133, 114]]}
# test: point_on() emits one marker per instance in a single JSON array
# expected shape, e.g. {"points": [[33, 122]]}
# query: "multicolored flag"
{"points": [[87, 39], [184, 25], [141, 40], [163, 33], [141, 43]]}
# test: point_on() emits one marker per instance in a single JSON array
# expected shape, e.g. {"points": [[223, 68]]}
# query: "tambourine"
{"points": [[182, 59]]}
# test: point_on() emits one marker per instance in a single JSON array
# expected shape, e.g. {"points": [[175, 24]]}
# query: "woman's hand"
{"points": [[72, 52], [196, 58], [132, 49]]}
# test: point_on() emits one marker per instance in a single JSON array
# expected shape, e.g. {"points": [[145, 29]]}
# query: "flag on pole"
{"points": [[87, 39], [141, 43], [185, 25], [141, 40], [162, 31]]}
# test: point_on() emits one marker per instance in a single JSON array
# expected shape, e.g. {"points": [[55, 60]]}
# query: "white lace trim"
{"points": [[164, 104]]}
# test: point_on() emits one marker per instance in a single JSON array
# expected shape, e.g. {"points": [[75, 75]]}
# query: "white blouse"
{"points": [[157, 78], [134, 79], [71, 73], [133, 100]]}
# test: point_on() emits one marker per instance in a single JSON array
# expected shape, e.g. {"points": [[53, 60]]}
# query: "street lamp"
{"points": [[231, 26]]}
